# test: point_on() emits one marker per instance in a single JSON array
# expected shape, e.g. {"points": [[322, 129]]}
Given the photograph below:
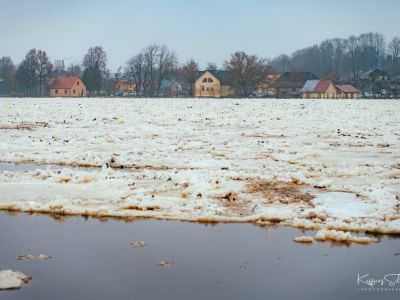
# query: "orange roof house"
{"points": [[67, 86]]}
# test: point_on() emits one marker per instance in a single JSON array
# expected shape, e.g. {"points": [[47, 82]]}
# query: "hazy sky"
{"points": [[207, 30]]}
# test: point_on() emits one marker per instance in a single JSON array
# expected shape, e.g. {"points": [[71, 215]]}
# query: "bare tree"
{"points": [[354, 51], [33, 73], [74, 69], [187, 76], [246, 72], [150, 67], [134, 71], [212, 66], [44, 69], [95, 64], [96, 57], [394, 51], [7, 74], [166, 64]]}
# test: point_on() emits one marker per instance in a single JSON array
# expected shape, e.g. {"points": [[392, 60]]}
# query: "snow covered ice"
{"points": [[12, 280], [314, 164]]}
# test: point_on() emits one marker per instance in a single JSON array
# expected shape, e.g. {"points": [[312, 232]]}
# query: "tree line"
{"points": [[331, 59], [344, 58]]}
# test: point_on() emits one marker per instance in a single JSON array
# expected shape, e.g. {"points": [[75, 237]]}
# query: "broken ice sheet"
{"points": [[139, 244], [165, 263], [29, 256], [12, 280], [197, 168]]}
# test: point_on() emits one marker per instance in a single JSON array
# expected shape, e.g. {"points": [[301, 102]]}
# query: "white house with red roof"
{"points": [[325, 89], [67, 86]]}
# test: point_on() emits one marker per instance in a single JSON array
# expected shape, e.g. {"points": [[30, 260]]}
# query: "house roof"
{"points": [[223, 76], [322, 86], [396, 79], [316, 86], [167, 83], [347, 88], [294, 79], [64, 82], [374, 73], [309, 86]]}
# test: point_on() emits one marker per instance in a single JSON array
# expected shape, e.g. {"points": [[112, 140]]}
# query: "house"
{"points": [[67, 86], [289, 84], [325, 89], [125, 86], [212, 83], [266, 88], [395, 87], [318, 89], [347, 91], [375, 75], [171, 88]]}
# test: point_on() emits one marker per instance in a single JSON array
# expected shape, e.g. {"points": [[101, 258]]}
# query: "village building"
{"points": [[171, 88], [347, 91], [318, 89], [325, 89], [125, 87], [375, 75], [395, 87], [213, 84], [290, 84], [67, 86], [266, 88]]}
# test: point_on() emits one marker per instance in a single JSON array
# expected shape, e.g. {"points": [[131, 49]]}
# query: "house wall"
{"points": [[347, 96], [330, 92], [207, 89], [310, 96], [125, 87]]}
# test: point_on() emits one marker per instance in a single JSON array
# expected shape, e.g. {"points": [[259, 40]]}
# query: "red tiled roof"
{"points": [[322, 86], [347, 88], [64, 82]]}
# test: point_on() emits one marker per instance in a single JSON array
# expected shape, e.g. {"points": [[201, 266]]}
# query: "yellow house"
{"points": [[212, 84], [67, 86], [318, 89], [125, 86]]}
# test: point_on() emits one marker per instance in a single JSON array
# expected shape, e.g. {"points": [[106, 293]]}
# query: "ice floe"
{"points": [[313, 164]]}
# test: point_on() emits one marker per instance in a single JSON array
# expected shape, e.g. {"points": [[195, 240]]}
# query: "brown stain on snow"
{"points": [[284, 192]]}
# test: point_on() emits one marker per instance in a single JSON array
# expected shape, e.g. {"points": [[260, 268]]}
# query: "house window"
{"points": [[211, 89], [56, 91], [65, 91], [77, 83], [73, 91], [202, 88], [205, 80]]}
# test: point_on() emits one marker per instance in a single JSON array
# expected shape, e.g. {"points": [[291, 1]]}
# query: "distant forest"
{"points": [[344, 58], [335, 59]]}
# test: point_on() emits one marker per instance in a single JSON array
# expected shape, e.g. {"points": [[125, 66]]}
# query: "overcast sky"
{"points": [[207, 30]]}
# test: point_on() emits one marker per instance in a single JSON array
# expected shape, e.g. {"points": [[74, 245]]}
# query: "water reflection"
{"points": [[92, 259]]}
